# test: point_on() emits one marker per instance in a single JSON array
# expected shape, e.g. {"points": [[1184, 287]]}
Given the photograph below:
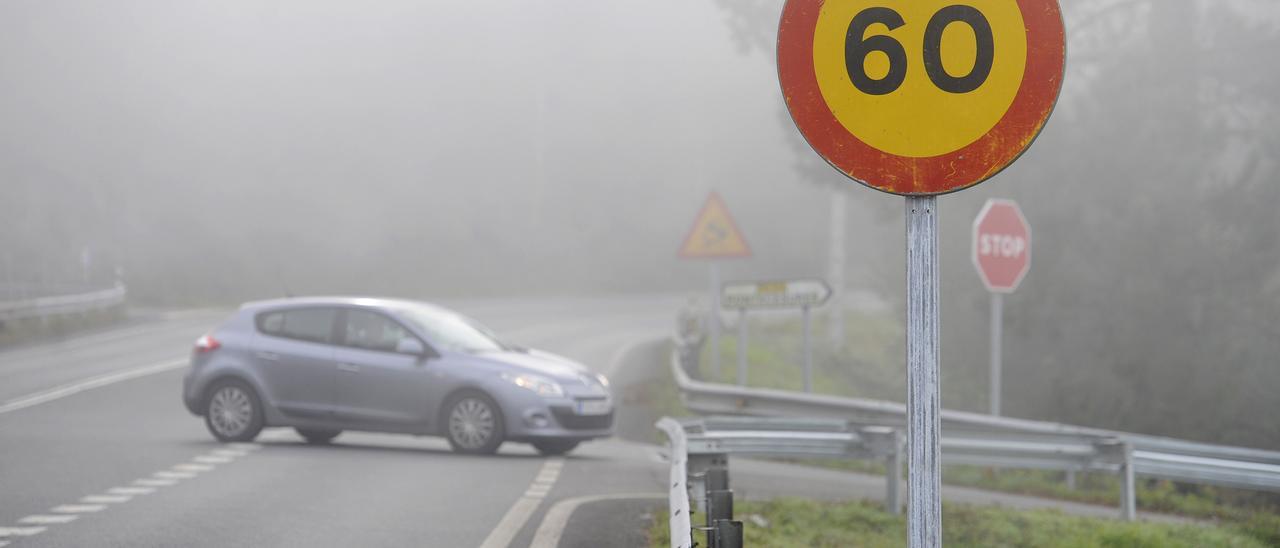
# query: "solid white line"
{"points": [[45, 519], [553, 524], [20, 531], [77, 508], [520, 512], [89, 384], [105, 499]]}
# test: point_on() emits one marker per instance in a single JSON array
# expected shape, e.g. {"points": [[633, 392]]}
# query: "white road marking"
{"points": [[77, 508], [553, 524], [152, 482], [245, 446], [131, 490], [524, 507], [3, 543], [165, 474], [20, 531], [105, 499], [193, 467], [46, 519], [89, 384], [213, 459]]}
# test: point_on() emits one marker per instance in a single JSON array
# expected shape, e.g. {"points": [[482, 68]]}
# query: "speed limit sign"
{"points": [[923, 97]]}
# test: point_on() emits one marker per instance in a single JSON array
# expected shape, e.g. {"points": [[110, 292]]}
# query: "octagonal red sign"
{"points": [[1001, 245]]}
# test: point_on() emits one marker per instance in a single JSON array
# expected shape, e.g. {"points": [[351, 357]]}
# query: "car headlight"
{"points": [[538, 385], [603, 380]]}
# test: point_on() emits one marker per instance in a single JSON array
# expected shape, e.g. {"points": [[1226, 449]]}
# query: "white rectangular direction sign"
{"points": [[776, 294]]}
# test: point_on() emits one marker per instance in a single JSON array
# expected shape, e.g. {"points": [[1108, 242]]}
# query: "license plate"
{"points": [[594, 407]]}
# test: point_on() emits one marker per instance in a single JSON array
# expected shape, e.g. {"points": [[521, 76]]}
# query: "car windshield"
{"points": [[451, 332]]}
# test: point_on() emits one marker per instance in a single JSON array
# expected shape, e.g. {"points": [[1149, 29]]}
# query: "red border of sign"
{"points": [[973, 248], [977, 162], [715, 198]]}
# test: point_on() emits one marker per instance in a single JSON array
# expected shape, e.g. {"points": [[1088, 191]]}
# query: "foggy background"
{"points": [[221, 151]]}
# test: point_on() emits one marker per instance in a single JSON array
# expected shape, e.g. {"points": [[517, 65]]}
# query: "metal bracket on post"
{"points": [[886, 443], [700, 468]]}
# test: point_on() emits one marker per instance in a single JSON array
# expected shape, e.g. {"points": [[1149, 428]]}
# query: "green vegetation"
{"points": [[803, 523]]}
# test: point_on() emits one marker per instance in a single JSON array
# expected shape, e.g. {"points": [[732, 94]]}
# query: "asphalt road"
{"points": [[97, 450]]}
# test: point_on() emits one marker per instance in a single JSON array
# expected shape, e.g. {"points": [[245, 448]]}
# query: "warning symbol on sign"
{"points": [[714, 234]]}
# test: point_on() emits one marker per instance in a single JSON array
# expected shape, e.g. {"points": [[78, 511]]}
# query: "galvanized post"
{"points": [[742, 346], [1071, 480], [924, 472], [713, 320], [808, 351], [1128, 495], [997, 336]]}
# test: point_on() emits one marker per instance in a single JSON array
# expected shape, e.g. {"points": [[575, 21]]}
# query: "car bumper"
{"points": [[557, 419]]}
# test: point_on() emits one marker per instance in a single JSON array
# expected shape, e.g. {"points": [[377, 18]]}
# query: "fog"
{"points": [[212, 152]]}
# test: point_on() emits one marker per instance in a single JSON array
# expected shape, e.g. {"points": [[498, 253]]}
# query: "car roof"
{"points": [[371, 302]]}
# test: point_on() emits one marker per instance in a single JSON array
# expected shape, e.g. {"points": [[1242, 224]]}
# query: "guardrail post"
{"points": [[893, 476], [699, 468], [1128, 493], [728, 534]]}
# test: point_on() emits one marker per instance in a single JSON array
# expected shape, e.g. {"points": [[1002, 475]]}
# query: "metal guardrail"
{"points": [[678, 496], [60, 305], [971, 438]]}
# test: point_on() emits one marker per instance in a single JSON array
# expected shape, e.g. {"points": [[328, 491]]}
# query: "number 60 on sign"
{"points": [[920, 97]]}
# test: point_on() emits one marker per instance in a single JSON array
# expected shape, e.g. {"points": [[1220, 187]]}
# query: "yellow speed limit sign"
{"points": [[922, 97]]}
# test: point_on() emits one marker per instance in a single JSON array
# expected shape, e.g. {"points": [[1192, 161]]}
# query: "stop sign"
{"points": [[1001, 245]]}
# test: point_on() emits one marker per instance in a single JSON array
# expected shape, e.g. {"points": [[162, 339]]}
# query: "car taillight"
{"points": [[207, 344]]}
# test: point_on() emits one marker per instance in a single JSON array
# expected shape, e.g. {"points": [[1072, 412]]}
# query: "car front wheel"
{"points": [[233, 412], [473, 424]]}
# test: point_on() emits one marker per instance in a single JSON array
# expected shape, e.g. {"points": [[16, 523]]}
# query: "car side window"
{"points": [[306, 324], [373, 331]]}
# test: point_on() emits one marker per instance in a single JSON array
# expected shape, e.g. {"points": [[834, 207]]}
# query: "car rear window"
{"points": [[307, 324]]}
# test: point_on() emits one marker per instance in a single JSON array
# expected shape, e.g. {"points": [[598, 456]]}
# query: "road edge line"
{"points": [[91, 383], [554, 522]]}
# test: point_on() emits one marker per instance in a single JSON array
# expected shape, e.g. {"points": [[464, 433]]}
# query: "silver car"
{"points": [[324, 365]]}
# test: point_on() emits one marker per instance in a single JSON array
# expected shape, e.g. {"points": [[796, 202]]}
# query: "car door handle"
{"points": [[269, 356], [349, 367]]}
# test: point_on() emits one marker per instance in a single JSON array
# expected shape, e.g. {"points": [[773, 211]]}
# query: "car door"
{"points": [[294, 354], [377, 386]]}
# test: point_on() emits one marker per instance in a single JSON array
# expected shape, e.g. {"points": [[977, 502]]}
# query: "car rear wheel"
{"points": [[233, 412], [318, 436], [554, 447], [473, 424]]}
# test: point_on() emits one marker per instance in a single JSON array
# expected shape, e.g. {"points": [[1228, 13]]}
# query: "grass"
{"points": [[799, 523]]}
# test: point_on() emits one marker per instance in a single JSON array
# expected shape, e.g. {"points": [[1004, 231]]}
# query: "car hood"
{"points": [[539, 362]]}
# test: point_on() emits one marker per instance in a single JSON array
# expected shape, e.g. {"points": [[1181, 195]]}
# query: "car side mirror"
{"points": [[411, 346]]}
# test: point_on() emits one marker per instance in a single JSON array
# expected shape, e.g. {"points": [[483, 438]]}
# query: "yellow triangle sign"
{"points": [[714, 234]]}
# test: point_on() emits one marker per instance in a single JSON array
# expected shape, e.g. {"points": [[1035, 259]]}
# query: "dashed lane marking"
{"points": [[20, 531], [153, 482], [77, 508], [46, 519], [105, 499], [131, 490], [525, 506], [67, 513]]}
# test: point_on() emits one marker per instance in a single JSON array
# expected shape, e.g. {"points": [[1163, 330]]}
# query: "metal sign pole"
{"points": [[713, 320], [924, 473], [808, 351], [997, 336], [742, 346]]}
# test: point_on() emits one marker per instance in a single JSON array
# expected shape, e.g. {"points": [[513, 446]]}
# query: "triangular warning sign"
{"points": [[714, 234]]}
